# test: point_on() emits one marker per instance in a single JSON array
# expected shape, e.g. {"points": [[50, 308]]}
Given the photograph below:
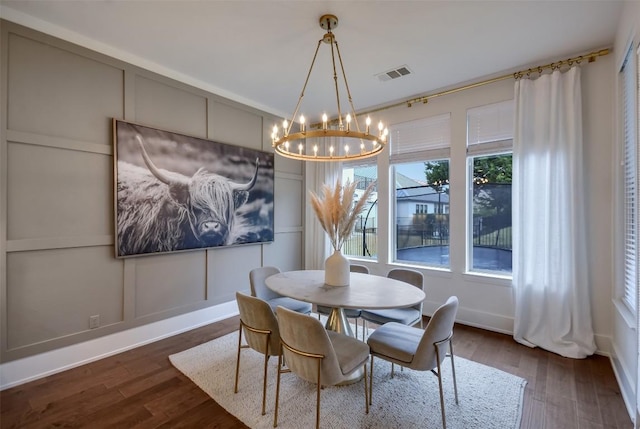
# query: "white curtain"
{"points": [[318, 247], [552, 297]]}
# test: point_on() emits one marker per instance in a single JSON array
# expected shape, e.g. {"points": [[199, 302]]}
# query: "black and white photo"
{"points": [[175, 192]]}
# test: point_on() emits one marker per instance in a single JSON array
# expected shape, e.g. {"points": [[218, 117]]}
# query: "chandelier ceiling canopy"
{"points": [[339, 139]]}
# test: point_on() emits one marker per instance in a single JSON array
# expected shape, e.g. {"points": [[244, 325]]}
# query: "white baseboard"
{"points": [[486, 321], [503, 324], [626, 387], [31, 368]]}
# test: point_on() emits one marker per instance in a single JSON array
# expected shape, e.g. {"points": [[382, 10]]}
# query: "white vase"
{"points": [[336, 270]]}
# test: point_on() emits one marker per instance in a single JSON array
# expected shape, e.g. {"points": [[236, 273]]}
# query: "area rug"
{"points": [[488, 397]]}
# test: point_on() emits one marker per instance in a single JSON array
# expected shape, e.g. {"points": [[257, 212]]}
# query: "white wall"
{"points": [[487, 302]]}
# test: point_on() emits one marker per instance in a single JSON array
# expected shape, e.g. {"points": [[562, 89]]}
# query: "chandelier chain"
{"points": [[304, 88], [335, 76], [346, 85]]}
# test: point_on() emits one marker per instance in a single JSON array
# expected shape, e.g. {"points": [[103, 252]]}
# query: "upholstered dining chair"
{"points": [[317, 355], [350, 313], [421, 350], [260, 327], [407, 316], [260, 290]]}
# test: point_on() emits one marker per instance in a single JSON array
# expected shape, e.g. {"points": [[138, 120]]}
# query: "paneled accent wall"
{"points": [[57, 259]]}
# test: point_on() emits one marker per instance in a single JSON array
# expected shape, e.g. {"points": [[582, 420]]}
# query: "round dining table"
{"points": [[365, 291]]}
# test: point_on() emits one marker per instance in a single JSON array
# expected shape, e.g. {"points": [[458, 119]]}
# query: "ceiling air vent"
{"points": [[394, 74]]}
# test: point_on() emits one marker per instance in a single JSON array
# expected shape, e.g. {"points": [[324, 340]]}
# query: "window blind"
{"points": [[490, 128], [426, 138], [629, 90]]}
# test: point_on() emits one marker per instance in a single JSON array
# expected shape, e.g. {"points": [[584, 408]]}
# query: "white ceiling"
{"points": [[259, 52]]}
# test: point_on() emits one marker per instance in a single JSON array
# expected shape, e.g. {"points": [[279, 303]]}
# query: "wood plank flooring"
{"points": [[141, 389]]}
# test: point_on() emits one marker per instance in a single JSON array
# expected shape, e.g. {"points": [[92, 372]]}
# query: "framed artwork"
{"points": [[175, 193]]}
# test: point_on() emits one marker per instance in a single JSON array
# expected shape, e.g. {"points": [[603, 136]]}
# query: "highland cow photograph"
{"points": [[177, 193]]}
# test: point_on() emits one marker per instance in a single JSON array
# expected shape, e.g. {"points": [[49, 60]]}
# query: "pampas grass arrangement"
{"points": [[336, 212]]}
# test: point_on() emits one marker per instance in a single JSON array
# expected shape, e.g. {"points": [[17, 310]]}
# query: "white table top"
{"points": [[365, 291]]}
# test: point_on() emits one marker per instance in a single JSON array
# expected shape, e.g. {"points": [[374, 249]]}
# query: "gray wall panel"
{"points": [[58, 93], [228, 270], [58, 201], [52, 293], [287, 210], [285, 252], [166, 282], [58, 192], [287, 165], [170, 108], [236, 126]]}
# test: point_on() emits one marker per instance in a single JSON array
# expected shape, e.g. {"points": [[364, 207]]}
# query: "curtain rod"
{"points": [[591, 57]]}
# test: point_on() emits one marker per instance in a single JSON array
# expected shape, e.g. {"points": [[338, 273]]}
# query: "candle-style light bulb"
{"points": [[315, 150], [300, 148], [302, 123], [346, 150], [331, 151], [286, 146], [380, 126], [368, 123], [385, 133], [324, 121], [285, 127], [348, 119], [362, 147]]}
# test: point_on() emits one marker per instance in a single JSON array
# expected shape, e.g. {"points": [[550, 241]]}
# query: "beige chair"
{"points": [[350, 313], [317, 355], [260, 327], [407, 316], [260, 290], [421, 350]]}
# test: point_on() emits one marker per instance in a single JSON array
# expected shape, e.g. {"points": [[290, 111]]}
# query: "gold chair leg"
{"points": [[444, 420], [453, 371], [318, 388], [371, 383], [275, 414], [235, 388], [264, 383], [366, 394]]}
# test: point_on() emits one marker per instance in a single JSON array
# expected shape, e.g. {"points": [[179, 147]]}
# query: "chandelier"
{"points": [[340, 139]]}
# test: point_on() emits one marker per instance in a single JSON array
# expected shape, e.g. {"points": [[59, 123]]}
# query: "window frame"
{"points": [[420, 140], [501, 145], [629, 94]]}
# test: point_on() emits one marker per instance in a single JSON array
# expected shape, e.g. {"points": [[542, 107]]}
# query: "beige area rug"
{"points": [[489, 398]]}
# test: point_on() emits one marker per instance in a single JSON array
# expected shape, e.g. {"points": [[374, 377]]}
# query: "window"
{"points": [[363, 242], [420, 174], [489, 160], [628, 92]]}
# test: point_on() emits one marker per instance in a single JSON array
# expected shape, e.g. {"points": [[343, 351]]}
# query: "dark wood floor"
{"points": [[141, 389]]}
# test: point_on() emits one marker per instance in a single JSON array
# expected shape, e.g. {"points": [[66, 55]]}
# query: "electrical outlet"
{"points": [[94, 321]]}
